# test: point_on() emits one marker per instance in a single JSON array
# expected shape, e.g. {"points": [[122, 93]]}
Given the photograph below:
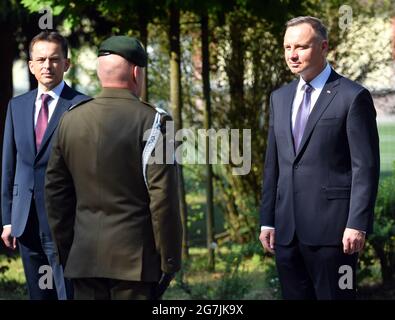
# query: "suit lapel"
{"points": [[63, 104], [326, 96], [287, 115], [29, 119]]}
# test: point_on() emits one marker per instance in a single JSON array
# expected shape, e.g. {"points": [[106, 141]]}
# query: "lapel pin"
{"points": [[328, 91]]}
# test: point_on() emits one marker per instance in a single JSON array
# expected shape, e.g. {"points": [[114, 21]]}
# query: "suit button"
{"points": [[170, 260]]}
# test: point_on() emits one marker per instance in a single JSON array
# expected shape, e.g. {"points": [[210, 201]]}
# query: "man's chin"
{"points": [[295, 70]]}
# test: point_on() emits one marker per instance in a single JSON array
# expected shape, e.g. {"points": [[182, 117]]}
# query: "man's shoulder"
{"points": [[158, 117], [30, 95], [350, 86], [155, 109], [82, 101]]}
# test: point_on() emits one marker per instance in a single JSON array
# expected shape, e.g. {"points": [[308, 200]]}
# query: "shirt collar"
{"points": [[319, 81], [54, 93]]}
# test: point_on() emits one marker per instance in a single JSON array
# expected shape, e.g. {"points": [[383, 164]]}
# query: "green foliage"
{"points": [[230, 286], [271, 278], [12, 279], [382, 242], [364, 52], [243, 272], [249, 66]]}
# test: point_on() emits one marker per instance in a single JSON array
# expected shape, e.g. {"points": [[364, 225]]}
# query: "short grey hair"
{"points": [[314, 22]]}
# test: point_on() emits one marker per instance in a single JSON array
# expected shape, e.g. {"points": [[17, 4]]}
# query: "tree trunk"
{"points": [[176, 104], [207, 125]]}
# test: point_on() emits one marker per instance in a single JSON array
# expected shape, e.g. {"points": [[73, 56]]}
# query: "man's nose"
{"points": [[293, 55], [46, 63]]}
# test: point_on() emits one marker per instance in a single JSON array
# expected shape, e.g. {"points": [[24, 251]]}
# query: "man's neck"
{"points": [[315, 73], [45, 88]]}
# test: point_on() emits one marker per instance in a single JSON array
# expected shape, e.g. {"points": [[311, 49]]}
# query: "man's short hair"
{"points": [[50, 36], [315, 23]]}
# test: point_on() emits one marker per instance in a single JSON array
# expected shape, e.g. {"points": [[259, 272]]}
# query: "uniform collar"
{"points": [[116, 93]]}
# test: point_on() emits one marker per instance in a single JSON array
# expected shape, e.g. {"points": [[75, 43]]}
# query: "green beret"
{"points": [[126, 47]]}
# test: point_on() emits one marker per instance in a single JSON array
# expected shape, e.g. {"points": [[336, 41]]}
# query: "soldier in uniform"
{"points": [[113, 213]]}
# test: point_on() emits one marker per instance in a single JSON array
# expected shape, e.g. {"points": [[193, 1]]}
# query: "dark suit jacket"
{"points": [[331, 182], [23, 167], [105, 221]]}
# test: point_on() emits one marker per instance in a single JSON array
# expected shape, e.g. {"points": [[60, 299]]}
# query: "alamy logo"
{"points": [[346, 280], [46, 280], [213, 146], [46, 20]]}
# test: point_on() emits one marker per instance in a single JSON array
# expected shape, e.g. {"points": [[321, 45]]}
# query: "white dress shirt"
{"points": [[55, 94], [318, 84]]}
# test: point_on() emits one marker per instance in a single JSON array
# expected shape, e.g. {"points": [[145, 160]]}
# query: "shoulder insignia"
{"points": [[157, 109]]}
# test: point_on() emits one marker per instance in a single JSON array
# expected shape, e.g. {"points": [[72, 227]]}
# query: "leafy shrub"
{"points": [[382, 241]]}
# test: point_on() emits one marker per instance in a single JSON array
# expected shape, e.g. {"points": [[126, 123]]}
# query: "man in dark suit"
{"points": [[113, 211], [321, 171], [30, 123]]}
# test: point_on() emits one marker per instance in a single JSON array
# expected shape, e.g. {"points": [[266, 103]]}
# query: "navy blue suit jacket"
{"points": [[23, 166], [331, 182]]}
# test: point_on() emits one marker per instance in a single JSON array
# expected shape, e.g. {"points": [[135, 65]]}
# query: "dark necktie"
{"points": [[302, 116], [42, 119]]}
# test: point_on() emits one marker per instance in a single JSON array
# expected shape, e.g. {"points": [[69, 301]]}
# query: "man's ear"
{"points": [[31, 66], [325, 46], [67, 65], [136, 73]]}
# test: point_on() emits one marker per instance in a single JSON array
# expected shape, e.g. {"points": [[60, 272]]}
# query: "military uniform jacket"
{"points": [[111, 214]]}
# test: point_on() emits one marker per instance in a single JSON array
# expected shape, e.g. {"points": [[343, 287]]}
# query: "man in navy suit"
{"points": [[30, 123], [321, 171]]}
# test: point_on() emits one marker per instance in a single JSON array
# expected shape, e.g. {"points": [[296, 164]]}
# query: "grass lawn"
{"points": [[387, 146], [250, 280], [236, 278]]}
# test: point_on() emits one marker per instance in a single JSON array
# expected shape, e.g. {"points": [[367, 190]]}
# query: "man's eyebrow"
{"points": [[52, 56]]}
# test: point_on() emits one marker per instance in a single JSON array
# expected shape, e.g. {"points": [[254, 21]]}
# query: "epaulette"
{"points": [[157, 109], [161, 111], [80, 103]]}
